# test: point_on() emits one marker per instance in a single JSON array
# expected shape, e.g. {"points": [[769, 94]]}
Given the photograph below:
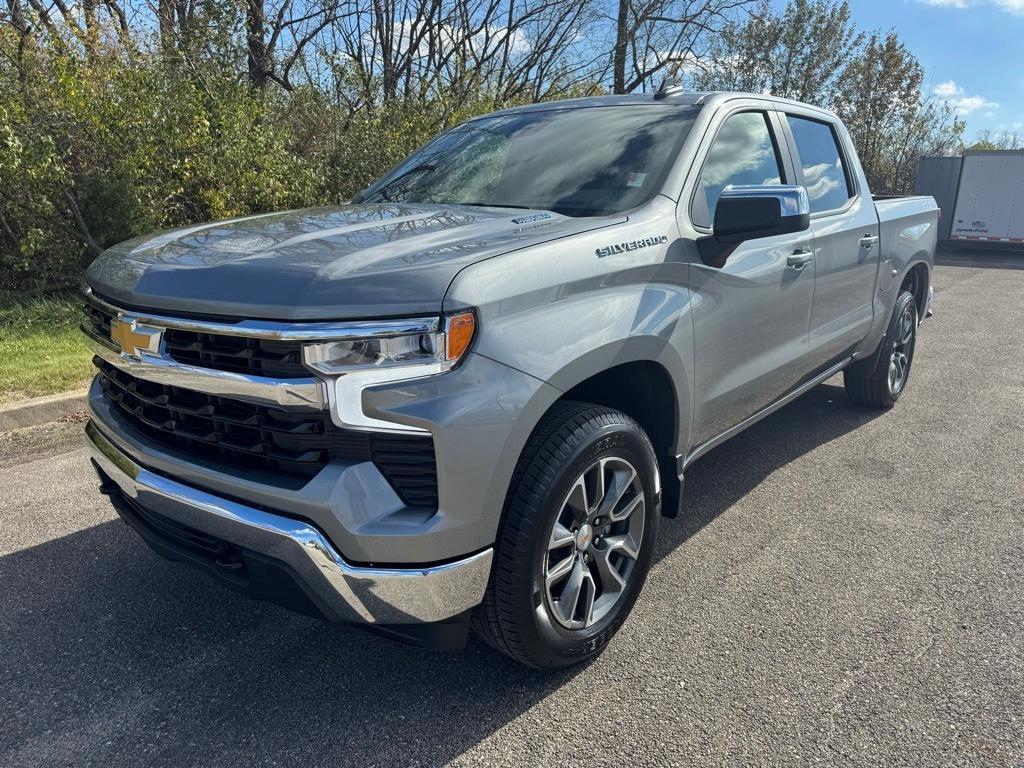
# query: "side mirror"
{"points": [[750, 212]]}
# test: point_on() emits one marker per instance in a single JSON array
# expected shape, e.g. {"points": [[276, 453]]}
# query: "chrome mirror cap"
{"points": [[793, 200]]}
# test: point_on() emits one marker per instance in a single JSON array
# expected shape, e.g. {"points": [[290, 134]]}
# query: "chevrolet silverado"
{"points": [[467, 397]]}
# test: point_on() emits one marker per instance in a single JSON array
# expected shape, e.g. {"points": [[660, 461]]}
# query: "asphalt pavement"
{"points": [[845, 588]]}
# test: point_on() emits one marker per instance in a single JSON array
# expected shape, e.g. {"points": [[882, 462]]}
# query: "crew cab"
{"points": [[469, 396]]}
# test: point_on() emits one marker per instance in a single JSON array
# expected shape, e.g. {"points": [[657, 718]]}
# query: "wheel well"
{"points": [[916, 282], [642, 390]]}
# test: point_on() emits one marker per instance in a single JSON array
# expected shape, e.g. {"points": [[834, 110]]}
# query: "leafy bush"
{"points": [[95, 149]]}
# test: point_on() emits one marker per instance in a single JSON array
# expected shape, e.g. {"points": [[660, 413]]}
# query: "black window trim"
{"points": [[852, 187], [787, 170]]}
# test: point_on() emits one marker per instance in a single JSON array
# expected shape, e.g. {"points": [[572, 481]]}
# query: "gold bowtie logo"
{"points": [[134, 338]]}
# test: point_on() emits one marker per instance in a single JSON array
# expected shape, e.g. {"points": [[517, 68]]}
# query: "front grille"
{"points": [[239, 354], [97, 322], [253, 437], [221, 352]]}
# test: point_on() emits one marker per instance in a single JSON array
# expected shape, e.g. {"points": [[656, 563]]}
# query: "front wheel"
{"points": [[879, 381], [576, 539]]}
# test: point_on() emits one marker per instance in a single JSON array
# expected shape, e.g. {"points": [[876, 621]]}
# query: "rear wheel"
{"points": [[879, 381], [576, 539]]}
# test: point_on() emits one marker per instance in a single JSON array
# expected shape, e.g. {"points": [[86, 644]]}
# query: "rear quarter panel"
{"points": [[908, 230]]}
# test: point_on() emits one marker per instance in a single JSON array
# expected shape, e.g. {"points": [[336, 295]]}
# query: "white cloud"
{"points": [[1011, 6], [446, 37], [822, 178], [685, 63], [954, 95]]}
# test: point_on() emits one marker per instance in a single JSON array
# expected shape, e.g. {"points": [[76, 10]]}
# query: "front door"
{"points": [[751, 315]]}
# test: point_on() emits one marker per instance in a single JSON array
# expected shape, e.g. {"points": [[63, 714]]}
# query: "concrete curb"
{"points": [[41, 410]]}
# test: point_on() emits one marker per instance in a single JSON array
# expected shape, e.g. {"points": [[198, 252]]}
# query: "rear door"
{"points": [[750, 315], [845, 228]]}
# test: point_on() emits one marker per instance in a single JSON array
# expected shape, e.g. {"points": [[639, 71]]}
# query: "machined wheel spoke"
{"points": [[623, 543], [611, 579], [561, 568], [560, 537], [588, 597], [622, 481], [579, 500], [599, 491], [633, 505], [568, 601]]}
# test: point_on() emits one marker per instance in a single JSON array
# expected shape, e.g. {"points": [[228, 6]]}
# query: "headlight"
{"points": [[351, 365], [431, 352]]}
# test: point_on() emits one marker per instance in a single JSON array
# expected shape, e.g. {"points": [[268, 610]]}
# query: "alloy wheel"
{"points": [[902, 351], [594, 543]]}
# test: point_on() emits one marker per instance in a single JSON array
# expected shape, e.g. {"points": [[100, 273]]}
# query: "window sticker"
{"points": [[636, 179]]}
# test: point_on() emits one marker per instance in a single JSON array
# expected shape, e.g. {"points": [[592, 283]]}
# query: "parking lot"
{"points": [[845, 587]]}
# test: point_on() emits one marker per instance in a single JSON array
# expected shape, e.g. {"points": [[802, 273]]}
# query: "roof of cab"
{"points": [[671, 96], [679, 99]]}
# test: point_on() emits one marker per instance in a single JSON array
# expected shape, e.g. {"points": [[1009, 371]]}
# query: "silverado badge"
{"points": [[632, 245], [133, 338]]}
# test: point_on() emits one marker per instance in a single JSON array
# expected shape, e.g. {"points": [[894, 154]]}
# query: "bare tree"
{"points": [[277, 36], [507, 50], [1007, 138], [653, 37]]}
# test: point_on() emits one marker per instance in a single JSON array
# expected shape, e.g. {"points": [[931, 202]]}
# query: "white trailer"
{"points": [[990, 198]]}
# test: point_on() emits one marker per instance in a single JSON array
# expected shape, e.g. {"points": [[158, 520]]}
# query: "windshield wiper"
{"points": [[497, 205], [384, 190]]}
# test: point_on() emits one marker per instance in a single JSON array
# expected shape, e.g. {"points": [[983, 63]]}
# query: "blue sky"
{"points": [[972, 52]]}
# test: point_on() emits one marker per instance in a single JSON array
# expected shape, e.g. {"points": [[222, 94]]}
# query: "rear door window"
{"points": [[818, 154]]}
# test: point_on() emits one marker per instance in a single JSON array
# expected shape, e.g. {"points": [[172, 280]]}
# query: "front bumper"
{"points": [[337, 589]]}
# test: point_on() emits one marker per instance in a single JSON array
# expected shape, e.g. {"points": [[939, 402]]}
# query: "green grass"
{"points": [[42, 352]]}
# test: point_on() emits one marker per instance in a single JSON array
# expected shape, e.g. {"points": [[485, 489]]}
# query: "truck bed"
{"points": [[907, 224]]}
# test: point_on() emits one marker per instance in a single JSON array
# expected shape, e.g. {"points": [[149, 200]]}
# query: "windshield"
{"points": [[579, 162]]}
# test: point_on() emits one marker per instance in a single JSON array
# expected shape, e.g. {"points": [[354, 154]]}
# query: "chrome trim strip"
{"points": [[304, 393], [353, 593], [279, 331]]}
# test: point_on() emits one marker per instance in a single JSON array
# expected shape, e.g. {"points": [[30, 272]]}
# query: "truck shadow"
{"points": [[716, 481], [109, 654]]}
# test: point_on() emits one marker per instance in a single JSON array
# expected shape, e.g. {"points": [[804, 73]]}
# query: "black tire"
{"points": [[516, 616], [868, 382]]}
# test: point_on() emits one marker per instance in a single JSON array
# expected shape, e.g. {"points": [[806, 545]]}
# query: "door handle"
{"points": [[799, 259], [868, 241]]}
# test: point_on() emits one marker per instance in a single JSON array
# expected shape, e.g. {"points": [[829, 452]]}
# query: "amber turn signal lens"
{"points": [[458, 334]]}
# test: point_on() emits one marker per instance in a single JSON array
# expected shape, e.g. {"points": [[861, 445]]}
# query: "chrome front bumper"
{"points": [[351, 593]]}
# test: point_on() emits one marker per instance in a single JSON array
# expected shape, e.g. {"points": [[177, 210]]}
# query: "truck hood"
{"points": [[348, 262]]}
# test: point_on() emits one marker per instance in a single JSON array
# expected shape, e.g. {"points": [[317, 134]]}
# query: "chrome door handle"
{"points": [[799, 259], [868, 241]]}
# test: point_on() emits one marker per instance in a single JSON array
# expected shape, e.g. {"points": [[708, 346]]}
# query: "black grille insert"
{"points": [[221, 352], [254, 437]]}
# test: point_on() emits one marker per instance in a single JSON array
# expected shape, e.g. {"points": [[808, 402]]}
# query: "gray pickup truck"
{"points": [[468, 397]]}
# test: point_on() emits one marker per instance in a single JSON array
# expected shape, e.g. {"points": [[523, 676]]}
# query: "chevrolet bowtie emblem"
{"points": [[133, 338]]}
